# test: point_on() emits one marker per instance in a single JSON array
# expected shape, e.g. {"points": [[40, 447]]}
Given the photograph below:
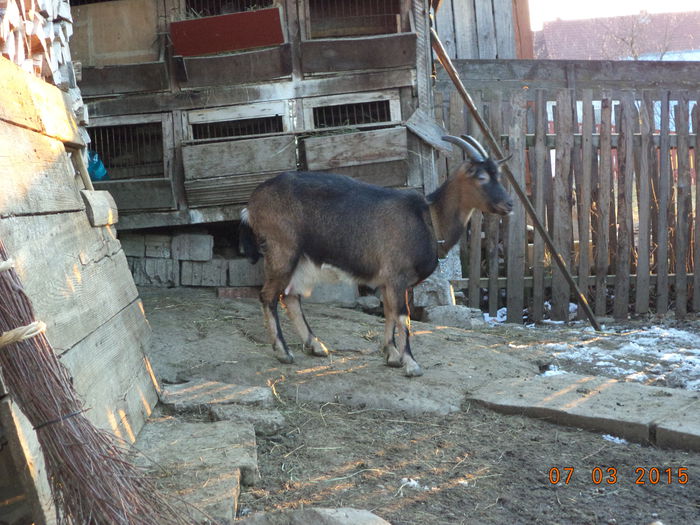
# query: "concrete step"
{"points": [[661, 416], [200, 394], [202, 464], [317, 516]]}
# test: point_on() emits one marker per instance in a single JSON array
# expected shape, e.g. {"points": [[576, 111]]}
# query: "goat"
{"points": [[309, 223]]}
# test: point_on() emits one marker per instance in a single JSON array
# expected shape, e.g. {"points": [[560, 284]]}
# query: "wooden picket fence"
{"points": [[612, 175]]}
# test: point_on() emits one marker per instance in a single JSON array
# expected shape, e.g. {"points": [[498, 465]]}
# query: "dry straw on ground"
{"points": [[91, 480]]}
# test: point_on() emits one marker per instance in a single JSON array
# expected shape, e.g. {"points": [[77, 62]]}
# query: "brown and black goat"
{"points": [[308, 224]]}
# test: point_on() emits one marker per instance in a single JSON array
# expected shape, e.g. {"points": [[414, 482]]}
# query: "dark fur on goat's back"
{"points": [[306, 210]]}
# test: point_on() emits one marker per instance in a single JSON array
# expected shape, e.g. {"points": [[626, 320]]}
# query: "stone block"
{"points": [[210, 273], [155, 272], [317, 516], [338, 294], [266, 422], [456, 316], [199, 394], [193, 247], [434, 291], [158, 246], [242, 273], [133, 244]]}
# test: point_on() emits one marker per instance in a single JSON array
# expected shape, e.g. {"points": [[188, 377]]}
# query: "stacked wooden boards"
{"points": [[76, 274]]}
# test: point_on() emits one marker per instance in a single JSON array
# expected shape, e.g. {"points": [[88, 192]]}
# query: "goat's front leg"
{"points": [[397, 347], [312, 344]]}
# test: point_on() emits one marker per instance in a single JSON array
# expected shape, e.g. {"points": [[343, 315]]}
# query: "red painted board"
{"points": [[232, 32]]}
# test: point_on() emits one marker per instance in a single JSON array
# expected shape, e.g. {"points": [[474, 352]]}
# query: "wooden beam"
{"points": [[352, 149], [140, 194], [124, 78]]}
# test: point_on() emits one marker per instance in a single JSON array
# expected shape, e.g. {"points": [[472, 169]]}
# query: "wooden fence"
{"points": [[612, 174]]}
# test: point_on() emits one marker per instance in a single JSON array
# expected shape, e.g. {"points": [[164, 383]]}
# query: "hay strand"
{"points": [[91, 480]]}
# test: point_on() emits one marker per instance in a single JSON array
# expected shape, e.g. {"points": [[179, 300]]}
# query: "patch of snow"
{"points": [[615, 439], [553, 371]]}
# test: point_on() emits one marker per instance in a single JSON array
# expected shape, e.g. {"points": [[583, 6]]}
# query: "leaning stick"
{"points": [[495, 147]]}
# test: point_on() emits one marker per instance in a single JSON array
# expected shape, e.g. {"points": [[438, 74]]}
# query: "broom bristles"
{"points": [[91, 480]]}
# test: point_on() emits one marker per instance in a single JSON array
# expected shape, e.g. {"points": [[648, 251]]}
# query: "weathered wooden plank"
{"points": [[696, 231], [352, 149], [100, 207], [562, 226], [36, 175], [662, 266], [485, 30], [517, 237], [625, 183], [552, 74], [65, 264], [111, 373], [445, 27], [493, 222], [238, 68], [352, 54], [356, 82], [232, 189], [465, 30], [505, 30], [216, 159], [644, 176], [124, 78], [584, 190], [538, 183], [684, 206], [604, 189], [140, 194], [17, 106]]}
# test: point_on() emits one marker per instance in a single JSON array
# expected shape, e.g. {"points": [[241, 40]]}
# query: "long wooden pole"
{"points": [[496, 148]]}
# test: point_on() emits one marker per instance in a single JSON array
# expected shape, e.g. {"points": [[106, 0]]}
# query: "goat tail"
{"points": [[248, 241]]}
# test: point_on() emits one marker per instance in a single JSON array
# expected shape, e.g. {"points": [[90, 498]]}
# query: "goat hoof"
{"points": [[316, 347], [412, 370], [392, 357], [287, 359]]}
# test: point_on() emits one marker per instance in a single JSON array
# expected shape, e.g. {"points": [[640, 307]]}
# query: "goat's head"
{"points": [[481, 187]]}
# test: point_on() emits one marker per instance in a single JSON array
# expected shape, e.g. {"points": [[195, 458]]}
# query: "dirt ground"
{"points": [[449, 461]]}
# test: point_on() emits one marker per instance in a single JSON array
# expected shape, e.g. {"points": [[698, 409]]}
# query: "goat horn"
{"points": [[473, 152], [471, 140]]}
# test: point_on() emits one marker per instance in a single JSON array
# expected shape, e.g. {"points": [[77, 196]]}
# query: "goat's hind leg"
{"points": [[312, 344], [397, 348], [269, 297]]}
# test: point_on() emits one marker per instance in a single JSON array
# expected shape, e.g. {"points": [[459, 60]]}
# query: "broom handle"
{"points": [[495, 147]]}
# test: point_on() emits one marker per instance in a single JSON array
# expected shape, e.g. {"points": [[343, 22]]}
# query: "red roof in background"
{"points": [[619, 37]]}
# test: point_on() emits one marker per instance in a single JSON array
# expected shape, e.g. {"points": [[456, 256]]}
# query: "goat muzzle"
{"points": [[503, 207]]}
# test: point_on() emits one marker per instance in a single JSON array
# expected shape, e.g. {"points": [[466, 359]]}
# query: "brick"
{"points": [[193, 247], [242, 273], [210, 273], [158, 245], [133, 244], [155, 272]]}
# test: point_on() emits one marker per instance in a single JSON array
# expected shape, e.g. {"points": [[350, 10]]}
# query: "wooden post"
{"points": [[684, 207], [664, 193], [517, 234], [696, 236], [625, 183], [539, 189], [604, 188], [561, 291], [493, 222], [644, 176], [584, 193]]}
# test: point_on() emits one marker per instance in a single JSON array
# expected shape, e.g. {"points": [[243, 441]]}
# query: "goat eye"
{"points": [[482, 177]]}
